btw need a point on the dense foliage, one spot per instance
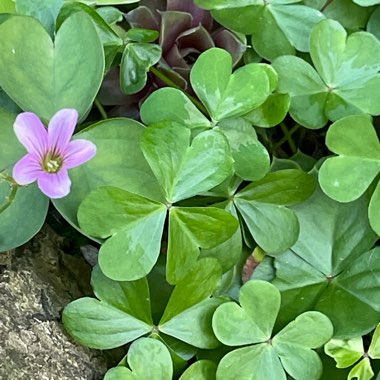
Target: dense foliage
(234, 195)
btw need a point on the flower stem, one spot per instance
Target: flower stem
(10, 198)
(170, 83)
(100, 108)
(287, 137)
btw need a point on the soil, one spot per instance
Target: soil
(36, 282)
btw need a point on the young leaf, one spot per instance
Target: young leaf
(225, 94)
(362, 370)
(135, 63)
(374, 348)
(345, 352)
(63, 74)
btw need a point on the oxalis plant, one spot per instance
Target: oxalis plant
(223, 158)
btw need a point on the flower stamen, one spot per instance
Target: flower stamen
(52, 163)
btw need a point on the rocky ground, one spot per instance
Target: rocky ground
(36, 282)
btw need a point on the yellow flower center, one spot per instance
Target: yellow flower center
(52, 163)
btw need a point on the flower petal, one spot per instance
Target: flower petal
(61, 128)
(31, 133)
(54, 185)
(78, 152)
(27, 170)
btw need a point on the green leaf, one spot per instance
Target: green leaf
(108, 2)
(131, 297)
(336, 58)
(276, 29)
(345, 352)
(293, 344)
(10, 148)
(366, 3)
(341, 281)
(274, 228)
(261, 205)
(45, 11)
(7, 6)
(63, 74)
(189, 311)
(183, 170)
(198, 284)
(347, 13)
(172, 104)
(18, 222)
(108, 210)
(200, 370)
(110, 40)
(373, 25)
(118, 162)
(135, 224)
(135, 63)
(97, 324)
(346, 177)
(306, 90)
(362, 370)
(271, 113)
(118, 373)
(229, 252)
(141, 35)
(251, 363)
(284, 187)
(225, 94)
(309, 330)
(148, 359)
(193, 325)
(253, 320)
(374, 348)
(251, 158)
(191, 228)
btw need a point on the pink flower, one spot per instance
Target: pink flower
(50, 151)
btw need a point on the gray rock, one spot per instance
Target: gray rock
(36, 282)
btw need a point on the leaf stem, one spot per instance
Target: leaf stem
(10, 198)
(170, 83)
(287, 137)
(101, 109)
